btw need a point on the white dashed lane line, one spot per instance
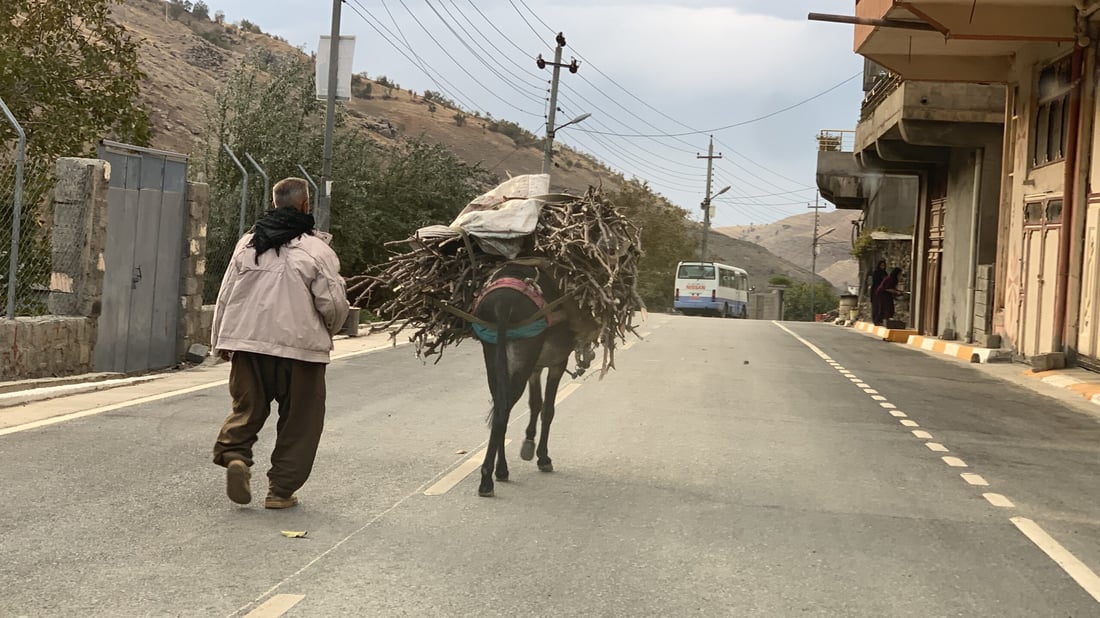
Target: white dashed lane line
(1079, 571)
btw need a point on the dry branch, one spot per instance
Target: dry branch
(591, 248)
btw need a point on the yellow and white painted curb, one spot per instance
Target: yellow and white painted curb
(969, 353)
(896, 335)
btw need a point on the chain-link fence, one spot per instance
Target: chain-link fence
(227, 201)
(24, 285)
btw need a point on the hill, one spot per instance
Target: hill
(186, 58)
(760, 263)
(791, 239)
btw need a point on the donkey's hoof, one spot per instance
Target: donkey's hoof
(546, 467)
(527, 451)
(502, 477)
(486, 493)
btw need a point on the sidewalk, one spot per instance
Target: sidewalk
(1084, 383)
(27, 404)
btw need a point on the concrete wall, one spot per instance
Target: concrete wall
(893, 204)
(63, 344)
(766, 305)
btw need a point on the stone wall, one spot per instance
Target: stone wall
(897, 252)
(46, 346)
(193, 270)
(63, 344)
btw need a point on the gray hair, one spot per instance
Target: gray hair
(291, 192)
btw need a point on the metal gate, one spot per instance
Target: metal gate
(146, 218)
(1042, 233)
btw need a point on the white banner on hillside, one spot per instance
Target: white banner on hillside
(343, 67)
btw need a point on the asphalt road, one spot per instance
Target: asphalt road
(725, 468)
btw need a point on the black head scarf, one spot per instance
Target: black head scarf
(279, 226)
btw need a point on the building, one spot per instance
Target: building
(1006, 201)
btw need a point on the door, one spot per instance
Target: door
(1088, 337)
(930, 294)
(146, 215)
(1042, 234)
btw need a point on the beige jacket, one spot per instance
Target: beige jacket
(289, 305)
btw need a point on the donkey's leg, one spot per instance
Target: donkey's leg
(524, 355)
(534, 395)
(496, 369)
(553, 379)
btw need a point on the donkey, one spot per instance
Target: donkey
(517, 348)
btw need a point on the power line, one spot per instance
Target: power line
(419, 63)
(741, 123)
(473, 53)
(459, 64)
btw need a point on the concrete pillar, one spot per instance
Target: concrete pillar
(193, 269)
(79, 237)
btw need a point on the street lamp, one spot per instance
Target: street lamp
(706, 220)
(550, 133)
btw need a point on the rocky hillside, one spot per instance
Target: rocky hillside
(792, 237)
(187, 58)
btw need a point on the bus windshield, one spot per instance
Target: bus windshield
(696, 271)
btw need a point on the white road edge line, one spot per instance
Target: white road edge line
(275, 606)
(565, 392)
(921, 434)
(454, 477)
(909, 423)
(816, 350)
(1082, 574)
(53, 420)
(974, 479)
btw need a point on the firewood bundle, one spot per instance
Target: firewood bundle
(586, 244)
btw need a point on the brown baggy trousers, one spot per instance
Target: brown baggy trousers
(299, 388)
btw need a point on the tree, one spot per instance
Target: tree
(780, 280)
(665, 241)
(70, 75)
(796, 301)
(219, 18)
(201, 10)
(267, 108)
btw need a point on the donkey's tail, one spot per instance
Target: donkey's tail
(503, 375)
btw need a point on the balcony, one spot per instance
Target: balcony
(839, 176)
(958, 40)
(927, 113)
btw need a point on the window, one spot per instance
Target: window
(696, 271)
(1049, 135)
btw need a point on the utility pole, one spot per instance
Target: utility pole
(710, 157)
(325, 210)
(573, 67)
(813, 258)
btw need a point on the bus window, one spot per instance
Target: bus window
(696, 271)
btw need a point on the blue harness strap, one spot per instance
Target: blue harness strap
(489, 335)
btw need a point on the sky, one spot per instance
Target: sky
(658, 77)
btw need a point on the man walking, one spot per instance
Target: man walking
(281, 300)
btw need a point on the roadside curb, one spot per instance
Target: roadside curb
(1084, 383)
(962, 351)
(23, 392)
